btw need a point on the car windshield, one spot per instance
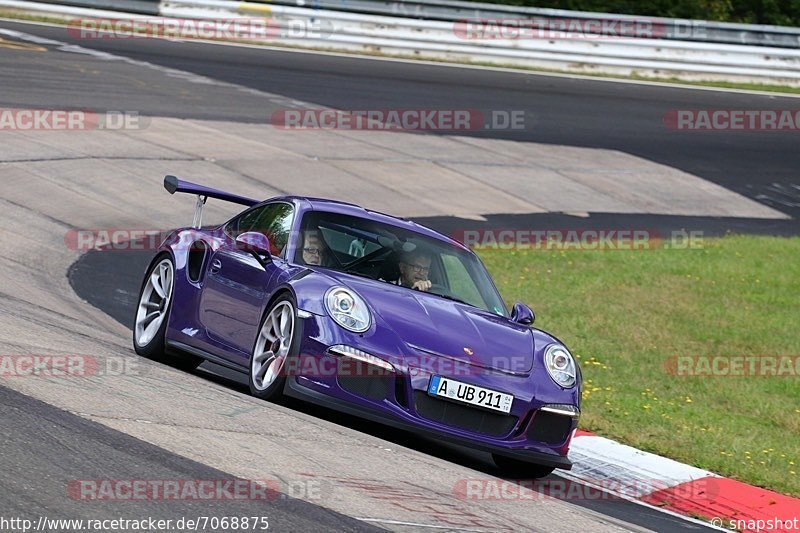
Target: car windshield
(389, 254)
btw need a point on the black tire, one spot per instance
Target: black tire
(155, 348)
(517, 469)
(274, 390)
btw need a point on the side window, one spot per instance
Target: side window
(273, 220)
(347, 247)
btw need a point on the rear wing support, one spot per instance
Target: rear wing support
(198, 211)
(172, 184)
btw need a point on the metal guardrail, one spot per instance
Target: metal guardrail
(458, 10)
(438, 39)
(143, 7)
(455, 10)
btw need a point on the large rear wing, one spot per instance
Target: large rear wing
(173, 185)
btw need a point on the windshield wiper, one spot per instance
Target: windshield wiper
(452, 298)
(359, 274)
(369, 257)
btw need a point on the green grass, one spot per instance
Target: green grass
(625, 314)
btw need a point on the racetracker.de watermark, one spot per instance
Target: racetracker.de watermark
(67, 366)
(568, 490)
(144, 240)
(550, 29)
(357, 366)
(253, 29)
(194, 489)
(121, 239)
(733, 366)
(736, 120)
(12, 119)
(197, 522)
(399, 119)
(579, 239)
(149, 240)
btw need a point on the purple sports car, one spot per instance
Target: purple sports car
(364, 313)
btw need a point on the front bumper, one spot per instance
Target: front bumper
(399, 398)
(532, 455)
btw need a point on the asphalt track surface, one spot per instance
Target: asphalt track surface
(559, 111)
(110, 281)
(45, 449)
(562, 111)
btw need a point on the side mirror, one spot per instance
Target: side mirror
(254, 242)
(522, 314)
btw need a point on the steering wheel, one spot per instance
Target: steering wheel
(441, 289)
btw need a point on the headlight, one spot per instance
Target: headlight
(359, 355)
(560, 365)
(347, 309)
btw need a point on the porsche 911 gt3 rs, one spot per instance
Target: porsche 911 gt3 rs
(364, 313)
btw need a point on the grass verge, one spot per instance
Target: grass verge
(628, 314)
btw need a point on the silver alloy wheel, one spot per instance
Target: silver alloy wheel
(273, 345)
(154, 302)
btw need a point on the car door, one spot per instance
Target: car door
(238, 284)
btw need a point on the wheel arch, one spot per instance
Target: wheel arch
(276, 294)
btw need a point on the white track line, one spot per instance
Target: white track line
(453, 65)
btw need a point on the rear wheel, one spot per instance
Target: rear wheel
(276, 342)
(515, 468)
(152, 315)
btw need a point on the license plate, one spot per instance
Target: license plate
(470, 394)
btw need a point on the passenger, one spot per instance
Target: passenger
(314, 250)
(414, 269)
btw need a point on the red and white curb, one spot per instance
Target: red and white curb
(678, 488)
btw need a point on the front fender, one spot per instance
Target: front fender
(546, 389)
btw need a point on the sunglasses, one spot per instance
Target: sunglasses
(419, 269)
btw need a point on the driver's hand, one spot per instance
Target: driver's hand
(422, 285)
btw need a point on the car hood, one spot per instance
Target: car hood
(441, 327)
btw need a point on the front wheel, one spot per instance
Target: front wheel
(515, 468)
(276, 342)
(152, 315)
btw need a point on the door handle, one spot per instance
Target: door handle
(216, 264)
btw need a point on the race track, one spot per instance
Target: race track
(207, 110)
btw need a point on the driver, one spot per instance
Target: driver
(414, 269)
(314, 249)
